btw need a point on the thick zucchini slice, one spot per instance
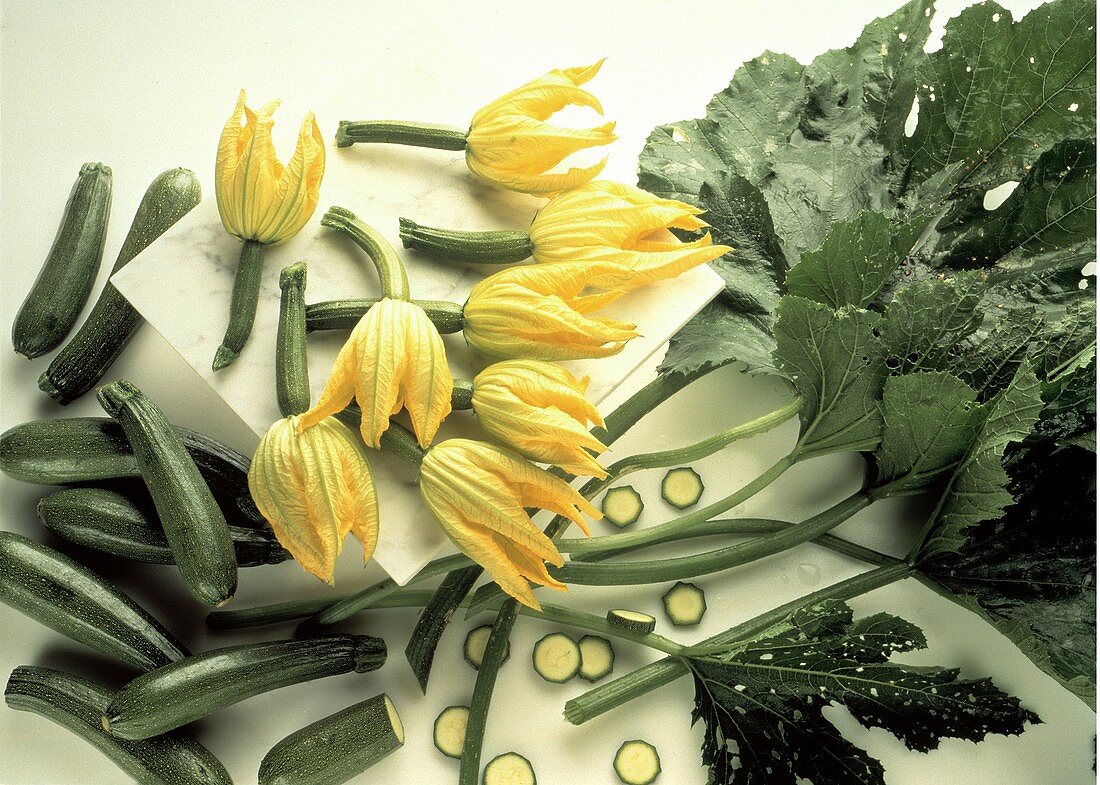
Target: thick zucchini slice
(449, 733)
(511, 768)
(635, 621)
(685, 604)
(335, 749)
(597, 658)
(556, 657)
(637, 762)
(473, 650)
(622, 506)
(682, 488)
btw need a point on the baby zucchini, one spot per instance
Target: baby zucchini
(685, 604)
(63, 595)
(77, 705)
(511, 768)
(66, 278)
(184, 691)
(637, 763)
(682, 488)
(113, 321)
(622, 506)
(556, 657)
(192, 521)
(333, 750)
(597, 658)
(449, 731)
(473, 650)
(634, 621)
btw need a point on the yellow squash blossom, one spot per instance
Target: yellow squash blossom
(313, 488)
(604, 221)
(539, 410)
(511, 144)
(478, 493)
(394, 359)
(541, 312)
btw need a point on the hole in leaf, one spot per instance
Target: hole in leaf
(911, 121)
(995, 197)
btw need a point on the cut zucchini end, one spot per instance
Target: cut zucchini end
(597, 658)
(449, 733)
(685, 604)
(511, 768)
(395, 719)
(556, 657)
(622, 506)
(637, 762)
(682, 487)
(473, 650)
(635, 621)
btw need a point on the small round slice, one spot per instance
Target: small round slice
(474, 648)
(685, 604)
(557, 657)
(622, 506)
(682, 487)
(449, 734)
(597, 658)
(635, 621)
(511, 768)
(637, 762)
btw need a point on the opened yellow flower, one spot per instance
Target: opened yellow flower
(478, 493)
(541, 312)
(393, 360)
(313, 488)
(539, 410)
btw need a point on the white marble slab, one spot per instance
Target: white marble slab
(182, 283)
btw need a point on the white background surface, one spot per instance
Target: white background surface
(148, 86)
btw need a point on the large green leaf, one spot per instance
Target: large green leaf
(929, 319)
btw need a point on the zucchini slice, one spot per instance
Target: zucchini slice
(637, 762)
(635, 621)
(556, 657)
(597, 658)
(682, 488)
(449, 734)
(335, 749)
(511, 768)
(622, 506)
(685, 604)
(474, 647)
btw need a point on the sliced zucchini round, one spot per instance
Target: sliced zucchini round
(511, 768)
(622, 506)
(682, 487)
(557, 657)
(685, 604)
(474, 648)
(449, 734)
(637, 762)
(597, 658)
(635, 621)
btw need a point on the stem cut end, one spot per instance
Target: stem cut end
(223, 357)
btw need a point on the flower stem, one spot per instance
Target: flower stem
(462, 396)
(500, 247)
(345, 314)
(242, 305)
(391, 271)
(495, 648)
(291, 369)
(396, 440)
(439, 137)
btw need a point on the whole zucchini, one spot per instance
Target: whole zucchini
(192, 521)
(66, 278)
(183, 691)
(113, 321)
(126, 525)
(78, 705)
(65, 596)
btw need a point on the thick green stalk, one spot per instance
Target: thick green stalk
(495, 648)
(291, 370)
(391, 271)
(439, 137)
(345, 314)
(462, 396)
(242, 305)
(499, 247)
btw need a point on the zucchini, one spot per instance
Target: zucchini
(622, 506)
(682, 487)
(80, 365)
(449, 731)
(126, 526)
(474, 648)
(291, 369)
(634, 621)
(685, 604)
(597, 658)
(192, 521)
(345, 314)
(65, 596)
(76, 705)
(335, 749)
(511, 768)
(184, 691)
(637, 763)
(63, 284)
(556, 657)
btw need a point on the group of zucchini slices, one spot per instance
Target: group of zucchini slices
(681, 488)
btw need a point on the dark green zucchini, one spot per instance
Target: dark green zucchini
(66, 278)
(126, 525)
(291, 369)
(196, 686)
(345, 314)
(65, 596)
(77, 705)
(80, 365)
